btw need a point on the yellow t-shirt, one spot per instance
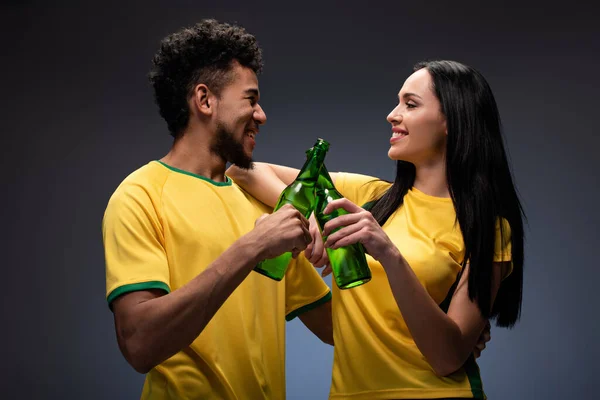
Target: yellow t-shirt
(375, 356)
(162, 227)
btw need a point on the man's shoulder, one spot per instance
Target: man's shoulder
(253, 201)
(147, 174)
(147, 180)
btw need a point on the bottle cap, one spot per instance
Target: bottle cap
(322, 143)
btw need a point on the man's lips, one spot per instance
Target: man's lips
(251, 135)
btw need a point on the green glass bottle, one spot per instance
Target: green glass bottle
(349, 263)
(300, 194)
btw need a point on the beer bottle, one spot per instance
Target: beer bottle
(349, 263)
(300, 194)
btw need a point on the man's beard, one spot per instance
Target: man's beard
(231, 150)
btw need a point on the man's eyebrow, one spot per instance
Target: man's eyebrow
(252, 91)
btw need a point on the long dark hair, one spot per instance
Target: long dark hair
(479, 182)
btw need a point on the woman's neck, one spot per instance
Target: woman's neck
(431, 179)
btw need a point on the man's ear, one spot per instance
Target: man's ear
(203, 99)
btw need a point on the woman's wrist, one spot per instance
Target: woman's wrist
(391, 257)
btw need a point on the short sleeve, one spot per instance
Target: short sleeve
(133, 244)
(304, 288)
(502, 244)
(360, 189)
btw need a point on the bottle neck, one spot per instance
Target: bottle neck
(313, 165)
(325, 181)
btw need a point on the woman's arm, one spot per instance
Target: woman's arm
(446, 340)
(265, 181)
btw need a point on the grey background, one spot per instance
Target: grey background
(77, 116)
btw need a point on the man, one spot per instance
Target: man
(181, 240)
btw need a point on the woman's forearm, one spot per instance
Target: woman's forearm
(265, 181)
(445, 343)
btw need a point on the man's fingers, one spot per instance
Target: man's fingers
(296, 214)
(307, 237)
(295, 253)
(326, 271)
(304, 220)
(286, 207)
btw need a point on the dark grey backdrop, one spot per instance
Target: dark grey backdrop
(78, 116)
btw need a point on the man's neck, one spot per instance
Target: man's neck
(191, 153)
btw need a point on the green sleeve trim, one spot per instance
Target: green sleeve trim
(135, 287)
(308, 307)
(472, 371)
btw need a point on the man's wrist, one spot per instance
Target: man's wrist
(253, 247)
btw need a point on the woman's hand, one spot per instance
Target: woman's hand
(315, 252)
(359, 226)
(485, 337)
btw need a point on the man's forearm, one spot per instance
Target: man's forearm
(319, 321)
(156, 329)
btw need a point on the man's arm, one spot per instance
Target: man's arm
(318, 320)
(152, 326)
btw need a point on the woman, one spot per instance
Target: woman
(445, 242)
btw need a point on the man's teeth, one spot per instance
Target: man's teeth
(251, 134)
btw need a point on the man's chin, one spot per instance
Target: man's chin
(246, 164)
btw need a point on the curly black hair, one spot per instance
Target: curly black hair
(203, 53)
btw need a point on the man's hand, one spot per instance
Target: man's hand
(485, 337)
(284, 230)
